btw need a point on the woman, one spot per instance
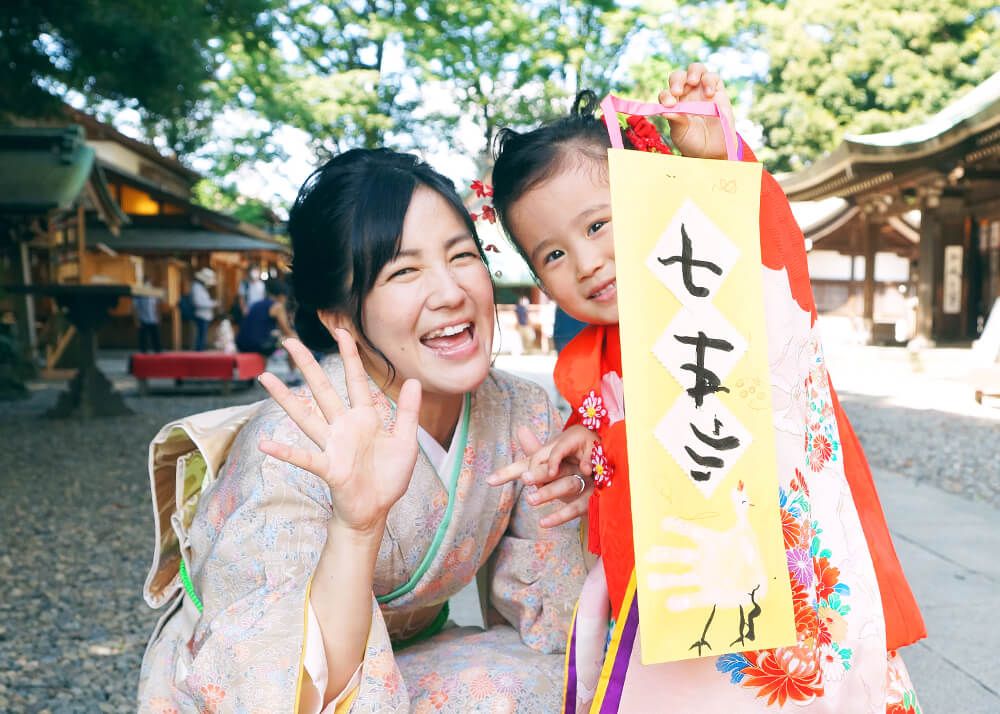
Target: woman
(321, 562)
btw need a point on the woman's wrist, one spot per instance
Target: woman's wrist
(364, 538)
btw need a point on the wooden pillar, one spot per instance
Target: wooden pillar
(928, 260)
(870, 236)
(83, 276)
(28, 335)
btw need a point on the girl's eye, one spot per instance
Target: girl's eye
(466, 254)
(553, 255)
(594, 227)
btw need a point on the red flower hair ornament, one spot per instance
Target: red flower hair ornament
(486, 211)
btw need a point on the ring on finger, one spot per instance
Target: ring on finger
(583, 483)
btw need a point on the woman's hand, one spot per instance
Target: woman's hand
(696, 136)
(559, 470)
(366, 466)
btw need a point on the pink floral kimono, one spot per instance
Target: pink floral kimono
(852, 605)
(239, 535)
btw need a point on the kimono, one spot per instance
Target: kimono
(852, 605)
(233, 569)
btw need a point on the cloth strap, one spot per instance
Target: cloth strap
(611, 106)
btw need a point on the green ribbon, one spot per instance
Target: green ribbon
(189, 587)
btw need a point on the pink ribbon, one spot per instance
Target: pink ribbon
(612, 106)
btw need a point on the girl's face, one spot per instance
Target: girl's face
(564, 226)
(430, 310)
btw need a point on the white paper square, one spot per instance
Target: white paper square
(674, 433)
(672, 353)
(708, 243)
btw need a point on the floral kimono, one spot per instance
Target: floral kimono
(234, 565)
(852, 604)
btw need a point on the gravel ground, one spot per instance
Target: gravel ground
(76, 536)
(957, 453)
(75, 543)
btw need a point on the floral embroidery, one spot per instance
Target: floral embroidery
(798, 673)
(821, 443)
(800, 565)
(826, 578)
(214, 695)
(900, 699)
(602, 469)
(785, 673)
(835, 661)
(593, 411)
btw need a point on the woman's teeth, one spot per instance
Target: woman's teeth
(447, 331)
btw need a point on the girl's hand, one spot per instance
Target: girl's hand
(697, 136)
(367, 467)
(555, 471)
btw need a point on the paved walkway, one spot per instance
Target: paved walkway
(949, 548)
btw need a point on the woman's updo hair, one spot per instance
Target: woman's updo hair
(346, 224)
(524, 160)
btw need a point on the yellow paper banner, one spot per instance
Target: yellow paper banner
(711, 569)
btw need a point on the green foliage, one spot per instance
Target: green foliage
(155, 57)
(820, 70)
(408, 74)
(509, 63)
(226, 199)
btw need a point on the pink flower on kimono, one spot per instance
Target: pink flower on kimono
(603, 471)
(613, 392)
(592, 410)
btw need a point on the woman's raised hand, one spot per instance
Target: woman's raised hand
(366, 466)
(698, 137)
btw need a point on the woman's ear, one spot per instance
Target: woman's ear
(334, 320)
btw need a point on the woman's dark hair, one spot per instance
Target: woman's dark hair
(524, 160)
(346, 224)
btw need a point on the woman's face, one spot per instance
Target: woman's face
(431, 309)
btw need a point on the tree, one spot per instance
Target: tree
(157, 58)
(509, 63)
(820, 70)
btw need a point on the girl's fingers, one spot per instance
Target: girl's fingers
(695, 72)
(540, 459)
(323, 392)
(313, 461)
(562, 450)
(354, 370)
(311, 424)
(535, 475)
(710, 83)
(565, 514)
(676, 82)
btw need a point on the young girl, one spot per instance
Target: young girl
(852, 604)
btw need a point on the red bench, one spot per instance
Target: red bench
(228, 368)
